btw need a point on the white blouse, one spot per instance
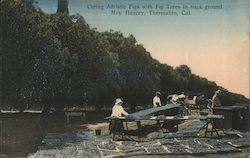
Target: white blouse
(156, 100)
(118, 111)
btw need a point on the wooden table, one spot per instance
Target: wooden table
(210, 120)
(75, 113)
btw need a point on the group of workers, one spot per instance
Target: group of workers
(118, 110)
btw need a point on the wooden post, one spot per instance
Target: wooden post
(83, 116)
(67, 118)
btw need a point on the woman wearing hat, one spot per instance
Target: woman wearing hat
(215, 101)
(157, 100)
(116, 125)
(117, 110)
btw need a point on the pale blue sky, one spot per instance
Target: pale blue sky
(214, 43)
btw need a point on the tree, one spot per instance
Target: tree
(34, 59)
(62, 6)
(183, 74)
(51, 59)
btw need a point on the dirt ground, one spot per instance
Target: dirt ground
(22, 133)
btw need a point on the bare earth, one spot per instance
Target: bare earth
(22, 133)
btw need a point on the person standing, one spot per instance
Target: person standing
(215, 99)
(116, 125)
(117, 110)
(157, 100)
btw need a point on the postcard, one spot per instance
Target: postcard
(124, 78)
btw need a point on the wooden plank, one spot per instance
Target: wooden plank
(145, 113)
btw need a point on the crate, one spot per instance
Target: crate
(232, 116)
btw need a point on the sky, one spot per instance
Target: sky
(214, 43)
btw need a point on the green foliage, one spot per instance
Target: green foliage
(53, 59)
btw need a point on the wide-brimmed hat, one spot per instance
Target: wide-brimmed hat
(158, 93)
(118, 101)
(217, 92)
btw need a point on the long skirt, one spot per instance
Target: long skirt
(116, 126)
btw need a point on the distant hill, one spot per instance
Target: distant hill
(57, 59)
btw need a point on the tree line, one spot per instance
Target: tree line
(57, 59)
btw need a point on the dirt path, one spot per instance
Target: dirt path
(96, 125)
